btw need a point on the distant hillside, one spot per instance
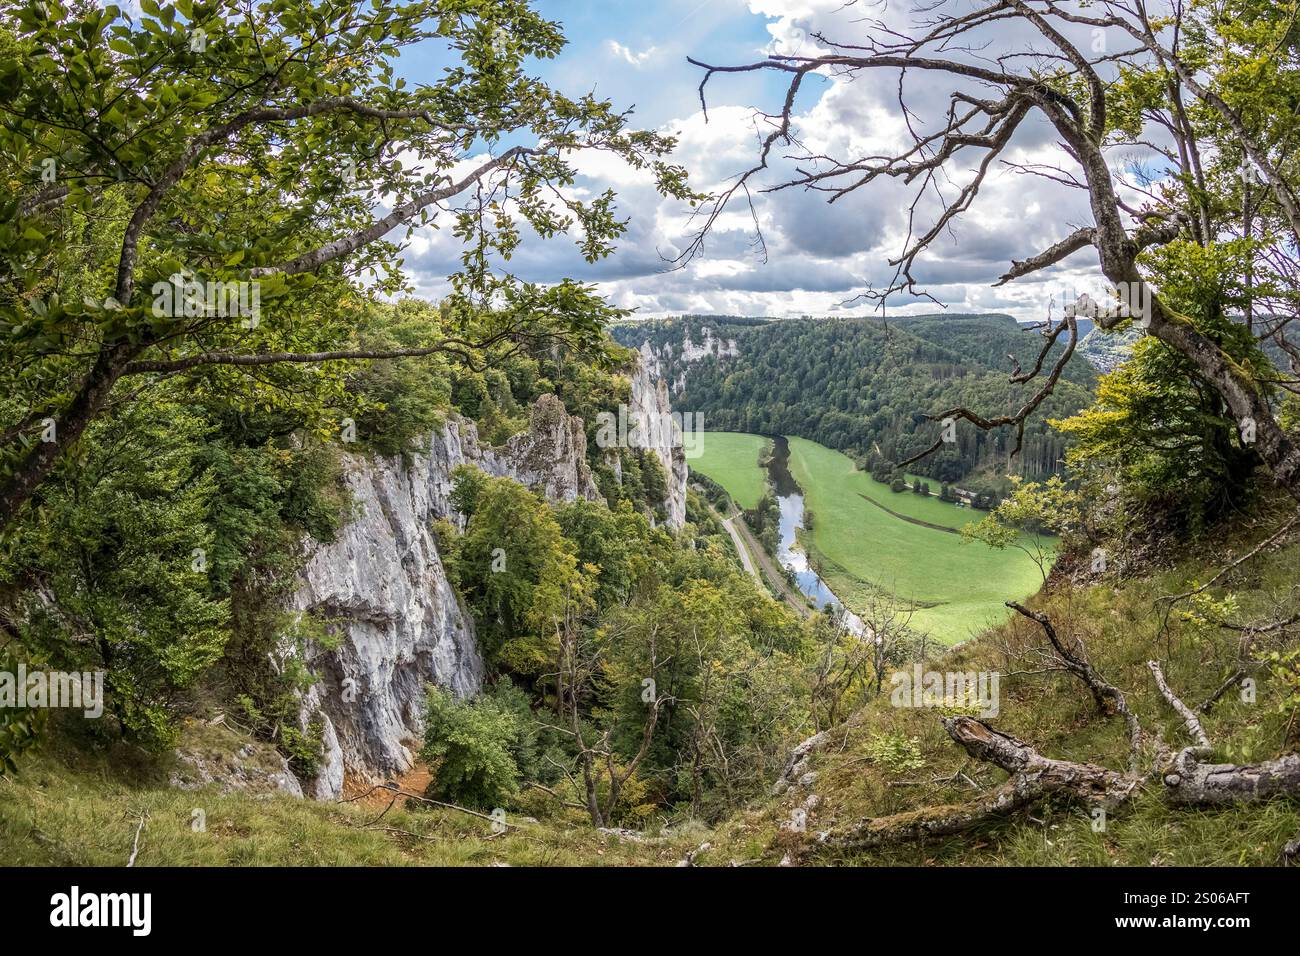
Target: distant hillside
(1106, 351)
(865, 386)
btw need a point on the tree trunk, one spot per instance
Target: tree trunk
(35, 466)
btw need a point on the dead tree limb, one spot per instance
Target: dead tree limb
(1191, 723)
(1185, 780)
(1191, 783)
(1102, 691)
(1033, 777)
(1236, 678)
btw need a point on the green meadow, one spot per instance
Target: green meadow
(731, 459)
(958, 588)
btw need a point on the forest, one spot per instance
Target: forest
(310, 311)
(866, 386)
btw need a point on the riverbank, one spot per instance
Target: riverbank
(958, 588)
(861, 538)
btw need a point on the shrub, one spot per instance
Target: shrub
(895, 753)
(470, 747)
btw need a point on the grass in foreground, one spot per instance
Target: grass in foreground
(1119, 625)
(68, 809)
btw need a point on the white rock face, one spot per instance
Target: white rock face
(550, 457)
(680, 356)
(658, 431)
(401, 626)
(710, 346)
(383, 585)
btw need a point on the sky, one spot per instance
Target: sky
(820, 257)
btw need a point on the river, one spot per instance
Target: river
(789, 497)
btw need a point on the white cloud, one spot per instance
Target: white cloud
(626, 53)
(820, 255)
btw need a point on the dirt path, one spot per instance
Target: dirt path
(909, 520)
(751, 553)
(414, 780)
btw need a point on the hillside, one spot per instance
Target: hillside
(881, 762)
(352, 517)
(863, 386)
(886, 761)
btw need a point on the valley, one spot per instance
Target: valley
(865, 538)
(880, 451)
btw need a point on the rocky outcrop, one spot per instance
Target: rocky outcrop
(382, 588)
(672, 360)
(213, 756)
(796, 772)
(659, 431)
(551, 457)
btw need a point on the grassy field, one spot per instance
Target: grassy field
(731, 459)
(960, 587)
(68, 808)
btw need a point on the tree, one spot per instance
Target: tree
(235, 153)
(516, 568)
(1031, 519)
(1157, 425)
(1095, 102)
(856, 656)
(468, 746)
(585, 656)
(150, 553)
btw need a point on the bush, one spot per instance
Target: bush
(471, 749)
(895, 753)
(20, 728)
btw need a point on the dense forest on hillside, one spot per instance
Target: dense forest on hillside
(864, 386)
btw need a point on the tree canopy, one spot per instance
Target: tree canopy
(199, 192)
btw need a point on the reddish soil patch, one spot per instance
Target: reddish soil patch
(414, 781)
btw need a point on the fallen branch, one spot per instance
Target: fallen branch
(1191, 722)
(1033, 777)
(135, 844)
(432, 803)
(1194, 784)
(1101, 690)
(1226, 686)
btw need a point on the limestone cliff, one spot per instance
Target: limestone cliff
(671, 361)
(383, 587)
(659, 431)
